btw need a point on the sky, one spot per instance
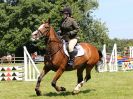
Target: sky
(118, 16)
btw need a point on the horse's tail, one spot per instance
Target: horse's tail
(100, 60)
(100, 55)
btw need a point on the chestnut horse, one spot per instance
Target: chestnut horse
(56, 60)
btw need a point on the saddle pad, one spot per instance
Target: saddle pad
(78, 47)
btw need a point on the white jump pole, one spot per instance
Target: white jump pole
(131, 51)
(103, 67)
(113, 60)
(30, 68)
(104, 58)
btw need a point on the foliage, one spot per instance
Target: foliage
(20, 18)
(95, 32)
(121, 44)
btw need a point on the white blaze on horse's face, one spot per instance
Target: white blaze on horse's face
(36, 34)
(42, 31)
(41, 27)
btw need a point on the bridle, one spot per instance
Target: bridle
(49, 40)
(42, 33)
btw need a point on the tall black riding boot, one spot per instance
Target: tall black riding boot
(71, 60)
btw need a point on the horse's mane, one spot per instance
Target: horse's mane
(55, 34)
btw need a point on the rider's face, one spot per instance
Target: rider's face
(65, 15)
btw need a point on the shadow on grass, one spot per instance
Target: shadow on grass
(66, 93)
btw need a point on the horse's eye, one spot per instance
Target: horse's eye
(46, 27)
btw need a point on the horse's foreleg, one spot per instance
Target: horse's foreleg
(43, 73)
(57, 76)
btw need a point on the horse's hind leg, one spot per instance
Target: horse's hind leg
(80, 80)
(88, 72)
(43, 73)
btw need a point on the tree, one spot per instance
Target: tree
(121, 44)
(18, 21)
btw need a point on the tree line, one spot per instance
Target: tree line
(19, 18)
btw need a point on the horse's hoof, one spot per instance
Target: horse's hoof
(63, 89)
(38, 92)
(75, 92)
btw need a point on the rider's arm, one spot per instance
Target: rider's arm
(75, 28)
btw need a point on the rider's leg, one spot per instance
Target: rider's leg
(71, 45)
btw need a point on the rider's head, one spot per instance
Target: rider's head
(66, 12)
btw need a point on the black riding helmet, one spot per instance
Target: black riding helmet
(66, 10)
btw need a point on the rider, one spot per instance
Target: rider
(68, 30)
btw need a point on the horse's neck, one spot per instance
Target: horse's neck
(54, 44)
(53, 36)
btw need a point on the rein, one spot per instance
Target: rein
(49, 41)
(49, 55)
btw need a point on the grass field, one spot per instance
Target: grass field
(115, 85)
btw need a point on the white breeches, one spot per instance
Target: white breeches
(72, 43)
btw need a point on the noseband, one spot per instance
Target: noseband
(42, 33)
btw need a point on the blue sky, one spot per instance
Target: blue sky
(118, 16)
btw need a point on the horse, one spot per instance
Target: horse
(6, 59)
(57, 60)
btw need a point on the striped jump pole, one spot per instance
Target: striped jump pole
(11, 73)
(27, 72)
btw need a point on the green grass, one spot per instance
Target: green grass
(115, 85)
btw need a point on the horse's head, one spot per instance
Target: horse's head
(43, 30)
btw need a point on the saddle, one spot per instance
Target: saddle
(79, 51)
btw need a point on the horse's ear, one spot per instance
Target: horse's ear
(49, 21)
(43, 21)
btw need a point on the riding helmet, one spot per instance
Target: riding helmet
(66, 10)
